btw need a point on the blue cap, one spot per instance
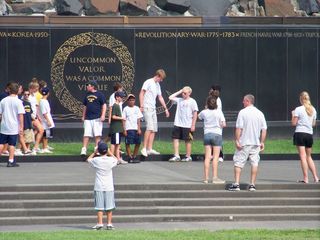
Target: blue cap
(102, 147)
(119, 94)
(45, 91)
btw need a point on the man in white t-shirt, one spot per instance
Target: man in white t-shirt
(184, 122)
(11, 112)
(250, 134)
(149, 92)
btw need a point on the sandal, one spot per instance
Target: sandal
(301, 181)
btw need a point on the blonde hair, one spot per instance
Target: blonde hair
(161, 73)
(187, 88)
(305, 101)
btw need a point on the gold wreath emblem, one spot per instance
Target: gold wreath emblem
(81, 40)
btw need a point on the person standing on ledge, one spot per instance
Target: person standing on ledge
(149, 92)
(93, 115)
(304, 119)
(251, 132)
(184, 122)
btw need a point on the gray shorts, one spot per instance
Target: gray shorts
(104, 200)
(240, 157)
(150, 117)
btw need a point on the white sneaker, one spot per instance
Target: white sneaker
(174, 159)
(186, 159)
(220, 159)
(153, 152)
(50, 148)
(121, 161)
(216, 180)
(97, 227)
(46, 150)
(83, 151)
(17, 152)
(5, 153)
(37, 150)
(144, 152)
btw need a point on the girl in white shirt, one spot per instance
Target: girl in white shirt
(214, 121)
(304, 119)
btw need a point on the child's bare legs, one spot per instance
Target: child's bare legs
(176, 147)
(109, 217)
(136, 150)
(207, 156)
(128, 150)
(188, 148)
(117, 151)
(216, 152)
(45, 143)
(23, 142)
(99, 217)
(39, 128)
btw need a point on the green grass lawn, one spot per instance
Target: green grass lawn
(281, 146)
(167, 235)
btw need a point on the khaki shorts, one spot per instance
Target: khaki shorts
(240, 157)
(28, 136)
(150, 117)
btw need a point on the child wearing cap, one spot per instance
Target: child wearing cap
(103, 187)
(116, 127)
(46, 119)
(132, 121)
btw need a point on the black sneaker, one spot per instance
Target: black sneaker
(234, 187)
(12, 164)
(252, 188)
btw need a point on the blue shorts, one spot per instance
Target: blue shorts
(212, 139)
(115, 138)
(133, 137)
(10, 139)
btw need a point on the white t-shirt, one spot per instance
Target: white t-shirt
(305, 121)
(10, 107)
(184, 112)
(212, 120)
(131, 115)
(45, 109)
(219, 104)
(153, 90)
(104, 178)
(34, 103)
(251, 120)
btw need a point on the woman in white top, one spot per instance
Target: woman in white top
(214, 121)
(304, 119)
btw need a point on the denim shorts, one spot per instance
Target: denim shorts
(212, 139)
(133, 137)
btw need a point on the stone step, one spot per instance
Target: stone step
(158, 218)
(131, 187)
(181, 210)
(150, 202)
(161, 194)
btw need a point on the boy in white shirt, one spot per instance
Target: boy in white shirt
(103, 187)
(46, 119)
(184, 122)
(11, 112)
(132, 122)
